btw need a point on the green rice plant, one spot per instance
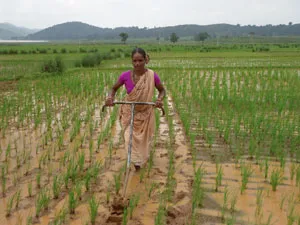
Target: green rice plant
(91, 143)
(8, 152)
(18, 197)
(276, 178)
(153, 186)
(57, 186)
(246, 172)
(233, 202)
(38, 179)
(72, 202)
(291, 218)
(259, 203)
(117, 180)
(133, 202)
(82, 139)
(99, 141)
(9, 206)
(160, 218)
(29, 189)
(29, 220)
(108, 197)
(110, 150)
(266, 168)
(225, 202)
(293, 170)
(42, 202)
(219, 178)
(93, 209)
(150, 163)
(60, 217)
(283, 198)
(197, 192)
(87, 181)
(298, 177)
(78, 190)
(269, 219)
(125, 217)
(3, 179)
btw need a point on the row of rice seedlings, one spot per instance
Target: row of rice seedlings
(197, 192)
(42, 201)
(246, 172)
(93, 209)
(258, 136)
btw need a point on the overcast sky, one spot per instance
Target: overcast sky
(148, 13)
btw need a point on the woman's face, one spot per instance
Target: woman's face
(138, 61)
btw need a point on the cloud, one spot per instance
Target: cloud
(114, 13)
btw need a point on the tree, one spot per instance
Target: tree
(173, 37)
(123, 36)
(202, 36)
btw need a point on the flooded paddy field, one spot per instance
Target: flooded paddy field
(226, 152)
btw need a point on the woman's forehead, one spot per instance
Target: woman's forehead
(137, 55)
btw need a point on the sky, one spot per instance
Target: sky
(148, 13)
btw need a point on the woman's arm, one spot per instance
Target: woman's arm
(111, 96)
(161, 95)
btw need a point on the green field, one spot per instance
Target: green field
(227, 151)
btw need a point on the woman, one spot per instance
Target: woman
(140, 84)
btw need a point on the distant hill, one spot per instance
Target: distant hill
(9, 31)
(79, 30)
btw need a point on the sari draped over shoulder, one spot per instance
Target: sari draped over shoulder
(144, 119)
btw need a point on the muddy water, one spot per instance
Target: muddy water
(246, 203)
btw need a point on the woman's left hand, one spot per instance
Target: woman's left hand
(158, 103)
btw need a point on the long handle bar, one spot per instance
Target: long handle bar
(135, 103)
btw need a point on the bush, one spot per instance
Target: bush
(89, 60)
(53, 66)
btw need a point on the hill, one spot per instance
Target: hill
(9, 31)
(79, 30)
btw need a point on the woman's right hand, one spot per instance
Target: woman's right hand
(109, 101)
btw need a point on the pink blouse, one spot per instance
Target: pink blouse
(125, 78)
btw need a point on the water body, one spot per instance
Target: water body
(23, 41)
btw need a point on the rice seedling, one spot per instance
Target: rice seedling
(246, 172)
(29, 220)
(233, 202)
(125, 217)
(219, 178)
(117, 180)
(17, 197)
(60, 217)
(78, 190)
(266, 168)
(93, 209)
(276, 178)
(197, 192)
(293, 170)
(9, 206)
(3, 183)
(91, 143)
(153, 186)
(57, 186)
(38, 179)
(72, 202)
(259, 204)
(87, 181)
(298, 177)
(225, 202)
(160, 218)
(29, 189)
(42, 202)
(133, 202)
(283, 198)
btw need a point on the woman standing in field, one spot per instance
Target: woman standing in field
(139, 83)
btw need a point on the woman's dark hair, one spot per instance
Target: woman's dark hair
(139, 50)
